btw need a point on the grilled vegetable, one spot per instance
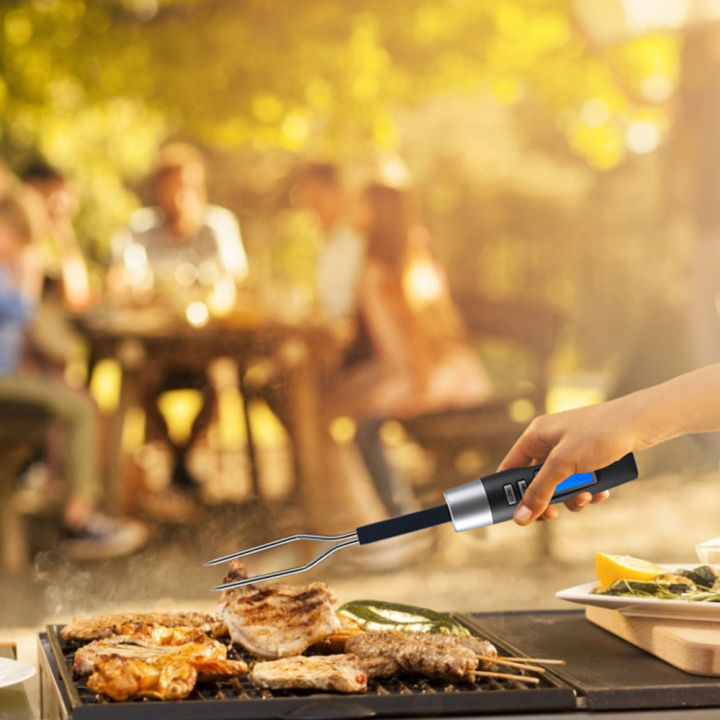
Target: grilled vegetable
(374, 615)
(701, 584)
(703, 576)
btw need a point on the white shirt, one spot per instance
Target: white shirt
(217, 242)
(338, 267)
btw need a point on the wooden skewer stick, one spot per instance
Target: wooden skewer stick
(512, 663)
(506, 676)
(545, 661)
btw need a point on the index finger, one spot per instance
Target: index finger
(540, 491)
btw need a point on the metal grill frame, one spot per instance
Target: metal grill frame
(63, 697)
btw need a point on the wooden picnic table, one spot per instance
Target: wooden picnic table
(145, 342)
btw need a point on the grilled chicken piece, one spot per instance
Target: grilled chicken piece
(150, 634)
(277, 620)
(202, 650)
(338, 673)
(438, 656)
(167, 672)
(121, 678)
(102, 626)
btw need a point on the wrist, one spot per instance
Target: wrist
(651, 418)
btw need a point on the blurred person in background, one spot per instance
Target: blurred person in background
(409, 354)
(53, 345)
(88, 533)
(6, 179)
(184, 241)
(186, 246)
(318, 187)
(64, 264)
(340, 259)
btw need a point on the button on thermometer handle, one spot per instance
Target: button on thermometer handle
(493, 499)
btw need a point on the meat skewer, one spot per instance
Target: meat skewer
(544, 661)
(439, 656)
(507, 676)
(489, 662)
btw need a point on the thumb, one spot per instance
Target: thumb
(540, 491)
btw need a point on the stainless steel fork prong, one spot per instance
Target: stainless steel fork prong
(348, 540)
(278, 543)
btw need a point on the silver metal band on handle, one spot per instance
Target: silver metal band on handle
(469, 506)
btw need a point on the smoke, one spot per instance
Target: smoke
(168, 574)
(65, 586)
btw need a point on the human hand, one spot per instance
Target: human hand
(570, 442)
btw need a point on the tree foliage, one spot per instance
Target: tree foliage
(508, 114)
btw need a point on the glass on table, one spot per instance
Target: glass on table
(708, 551)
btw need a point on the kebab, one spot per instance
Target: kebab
(379, 655)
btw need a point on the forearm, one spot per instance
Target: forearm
(593, 437)
(689, 403)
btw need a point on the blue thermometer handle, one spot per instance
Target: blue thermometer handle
(492, 499)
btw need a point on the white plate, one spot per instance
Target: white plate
(644, 607)
(14, 671)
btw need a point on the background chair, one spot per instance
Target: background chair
(23, 429)
(517, 340)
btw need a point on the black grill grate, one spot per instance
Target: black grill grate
(239, 698)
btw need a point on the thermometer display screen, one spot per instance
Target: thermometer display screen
(576, 482)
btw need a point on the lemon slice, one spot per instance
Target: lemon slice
(610, 568)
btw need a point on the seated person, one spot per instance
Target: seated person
(185, 245)
(88, 533)
(63, 261)
(184, 240)
(340, 259)
(409, 355)
(53, 342)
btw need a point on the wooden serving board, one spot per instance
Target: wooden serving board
(688, 645)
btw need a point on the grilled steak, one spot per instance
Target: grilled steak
(339, 673)
(277, 620)
(102, 626)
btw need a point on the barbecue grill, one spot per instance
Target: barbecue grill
(63, 696)
(603, 673)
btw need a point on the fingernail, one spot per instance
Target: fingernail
(523, 515)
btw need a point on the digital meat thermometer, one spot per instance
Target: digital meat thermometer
(486, 501)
